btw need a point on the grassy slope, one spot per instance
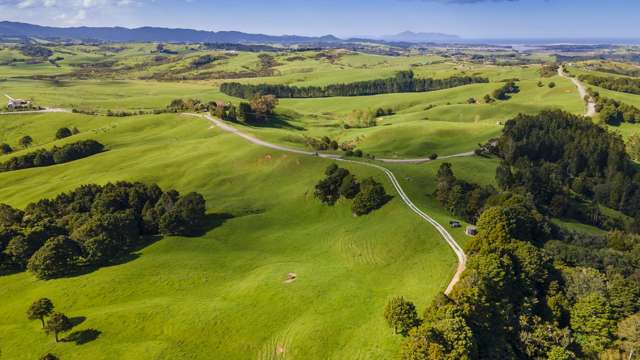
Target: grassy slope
(105, 94)
(222, 295)
(451, 127)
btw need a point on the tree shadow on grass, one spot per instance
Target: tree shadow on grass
(77, 320)
(276, 121)
(210, 222)
(82, 337)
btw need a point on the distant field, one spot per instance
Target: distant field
(106, 94)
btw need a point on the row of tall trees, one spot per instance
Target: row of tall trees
(92, 226)
(57, 155)
(621, 84)
(404, 81)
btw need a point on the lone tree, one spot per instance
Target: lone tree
(58, 323)
(63, 133)
(401, 315)
(26, 141)
(5, 149)
(39, 309)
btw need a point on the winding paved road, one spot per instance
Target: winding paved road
(591, 105)
(457, 249)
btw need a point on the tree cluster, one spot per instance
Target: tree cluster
(549, 69)
(92, 226)
(363, 118)
(57, 155)
(614, 112)
(35, 51)
(518, 300)
(459, 197)
(621, 84)
(555, 156)
(504, 92)
(65, 132)
(181, 105)
(202, 61)
(404, 81)
(368, 195)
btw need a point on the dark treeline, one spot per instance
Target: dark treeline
(614, 112)
(404, 81)
(57, 155)
(627, 85)
(35, 51)
(558, 157)
(92, 226)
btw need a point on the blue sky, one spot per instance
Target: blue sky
(467, 18)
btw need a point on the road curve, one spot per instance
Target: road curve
(52, 110)
(457, 249)
(423, 160)
(591, 104)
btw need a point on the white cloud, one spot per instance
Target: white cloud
(68, 12)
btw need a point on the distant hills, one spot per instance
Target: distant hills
(148, 34)
(10, 29)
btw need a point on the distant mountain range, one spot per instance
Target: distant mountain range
(10, 29)
(149, 34)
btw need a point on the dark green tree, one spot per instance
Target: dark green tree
(58, 323)
(593, 323)
(5, 149)
(63, 133)
(372, 196)
(26, 141)
(56, 258)
(401, 315)
(349, 187)
(40, 309)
